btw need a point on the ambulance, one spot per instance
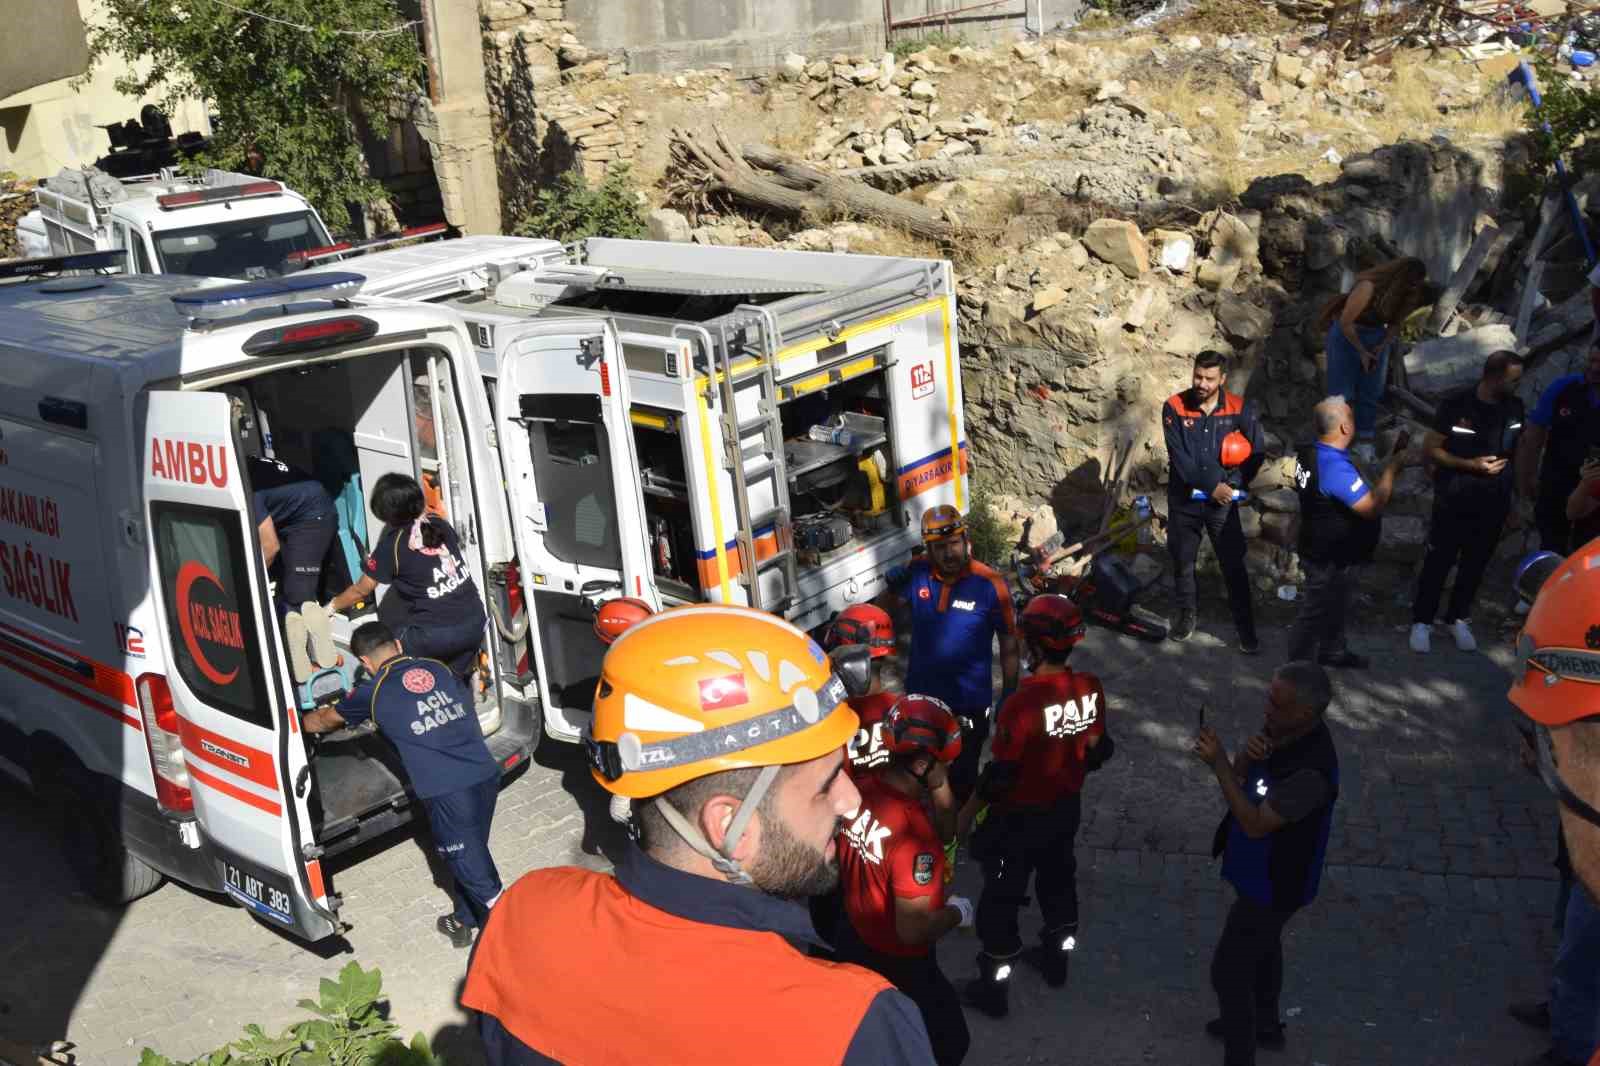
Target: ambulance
(613, 418)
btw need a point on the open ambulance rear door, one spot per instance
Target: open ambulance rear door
(577, 506)
(226, 710)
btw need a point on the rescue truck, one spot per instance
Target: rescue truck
(669, 422)
(219, 224)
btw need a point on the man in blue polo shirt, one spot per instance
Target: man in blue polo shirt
(1340, 519)
(1563, 431)
(958, 606)
(425, 712)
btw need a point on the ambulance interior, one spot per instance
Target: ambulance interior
(347, 423)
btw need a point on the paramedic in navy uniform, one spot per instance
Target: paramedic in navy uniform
(426, 713)
(419, 557)
(295, 519)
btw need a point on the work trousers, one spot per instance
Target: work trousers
(1247, 976)
(460, 822)
(1362, 390)
(919, 978)
(456, 645)
(974, 732)
(1550, 516)
(1575, 981)
(1014, 846)
(1462, 535)
(1320, 623)
(1187, 520)
(302, 548)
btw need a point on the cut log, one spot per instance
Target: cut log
(1530, 296)
(1445, 306)
(711, 167)
(896, 177)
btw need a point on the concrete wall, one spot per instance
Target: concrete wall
(54, 125)
(751, 34)
(998, 21)
(457, 124)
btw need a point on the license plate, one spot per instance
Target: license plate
(265, 893)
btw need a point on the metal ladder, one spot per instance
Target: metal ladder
(761, 460)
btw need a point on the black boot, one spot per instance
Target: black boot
(1055, 952)
(1183, 629)
(989, 991)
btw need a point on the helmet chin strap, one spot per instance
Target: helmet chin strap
(723, 861)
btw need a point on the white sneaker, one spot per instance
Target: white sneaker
(1421, 638)
(1463, 635)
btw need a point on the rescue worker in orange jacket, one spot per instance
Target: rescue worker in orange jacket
(892, 869)
(1049, 735)
(1554, 685)
(728, 726)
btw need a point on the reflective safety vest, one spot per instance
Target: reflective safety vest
(1283, 869)
(583, 972)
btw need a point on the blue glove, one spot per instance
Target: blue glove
(896, 577)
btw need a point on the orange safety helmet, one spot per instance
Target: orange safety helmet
(615, 616)
(862, 623)
(1560, 643)
(942, 522)
(1235, 449)
(1052, 621)
(922, 725)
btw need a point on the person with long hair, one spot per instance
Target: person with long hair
(418, 555)
(1361, 326)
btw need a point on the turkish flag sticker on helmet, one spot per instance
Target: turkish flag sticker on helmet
(721, 693)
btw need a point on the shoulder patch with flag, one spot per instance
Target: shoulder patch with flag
(922, 868)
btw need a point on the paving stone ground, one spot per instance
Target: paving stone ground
(1435, 910)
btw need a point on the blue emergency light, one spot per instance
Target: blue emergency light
(55, 264)
(268, 292)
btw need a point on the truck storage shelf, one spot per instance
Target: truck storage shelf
(805, 455)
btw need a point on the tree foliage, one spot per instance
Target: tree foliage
(1571, 109)
(574, 210)
(289, 79)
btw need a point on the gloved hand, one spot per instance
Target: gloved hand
(895, 577)
(964, 907)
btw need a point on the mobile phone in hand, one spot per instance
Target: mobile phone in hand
(1202, 716)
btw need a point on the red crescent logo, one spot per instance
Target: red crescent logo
(188, 574)
(417, 680)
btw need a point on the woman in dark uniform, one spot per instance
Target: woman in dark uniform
(440, 613)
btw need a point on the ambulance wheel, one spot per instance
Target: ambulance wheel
(91, 842)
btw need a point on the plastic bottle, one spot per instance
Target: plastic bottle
(1141, 512)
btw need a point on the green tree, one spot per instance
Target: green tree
(286, 80)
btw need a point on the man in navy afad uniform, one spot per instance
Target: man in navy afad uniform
(1280, 793)
(426, 713)
(296, 523)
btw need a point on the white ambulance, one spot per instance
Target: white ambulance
(668, 422)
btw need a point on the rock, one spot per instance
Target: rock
(821, 70)
(1048, 297)
(922, 89)
(1109, 90)
(953, 148)
(1232, 241)
(1146, 567)
(1442, 363)
(1270, 94)
(885, 70)
(896, 149)
(1174, 250)
(1242, 320)
(792, 67)
(1280, 501)
(1189, 335)
(1250, 521)
(1139, 309)
(1118, 242)
(1216, 276)
(1278, 528)
(665, 224)
(1324, 248)
(1287, 67)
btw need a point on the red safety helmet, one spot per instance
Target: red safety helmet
(1559, 646)
(942, 522)
(922, 725)
(1052, 621)
(615, 616)
(1235, 449)
(863, 623)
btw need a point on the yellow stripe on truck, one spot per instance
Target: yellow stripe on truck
(950, 399)
(816, 344)
(709, 454)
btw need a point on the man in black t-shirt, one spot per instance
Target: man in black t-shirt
(1473, 439)
(296, 522)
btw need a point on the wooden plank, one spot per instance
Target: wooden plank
(1530, 296)
(1549, 211)
(1415, 402)
(1445, 306)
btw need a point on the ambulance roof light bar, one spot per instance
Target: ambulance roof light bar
(55, 264)
(222, 192)
(233, 301)
(311, 255)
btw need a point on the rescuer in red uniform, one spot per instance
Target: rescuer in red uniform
(891, 868)
(868, 626)
(1048, 736)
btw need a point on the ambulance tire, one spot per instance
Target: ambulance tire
(91, 842)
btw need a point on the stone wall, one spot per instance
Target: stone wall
(662, 35)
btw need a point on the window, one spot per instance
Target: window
(210, 617)
(247, 248)
(141, 257)
(571, 461)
